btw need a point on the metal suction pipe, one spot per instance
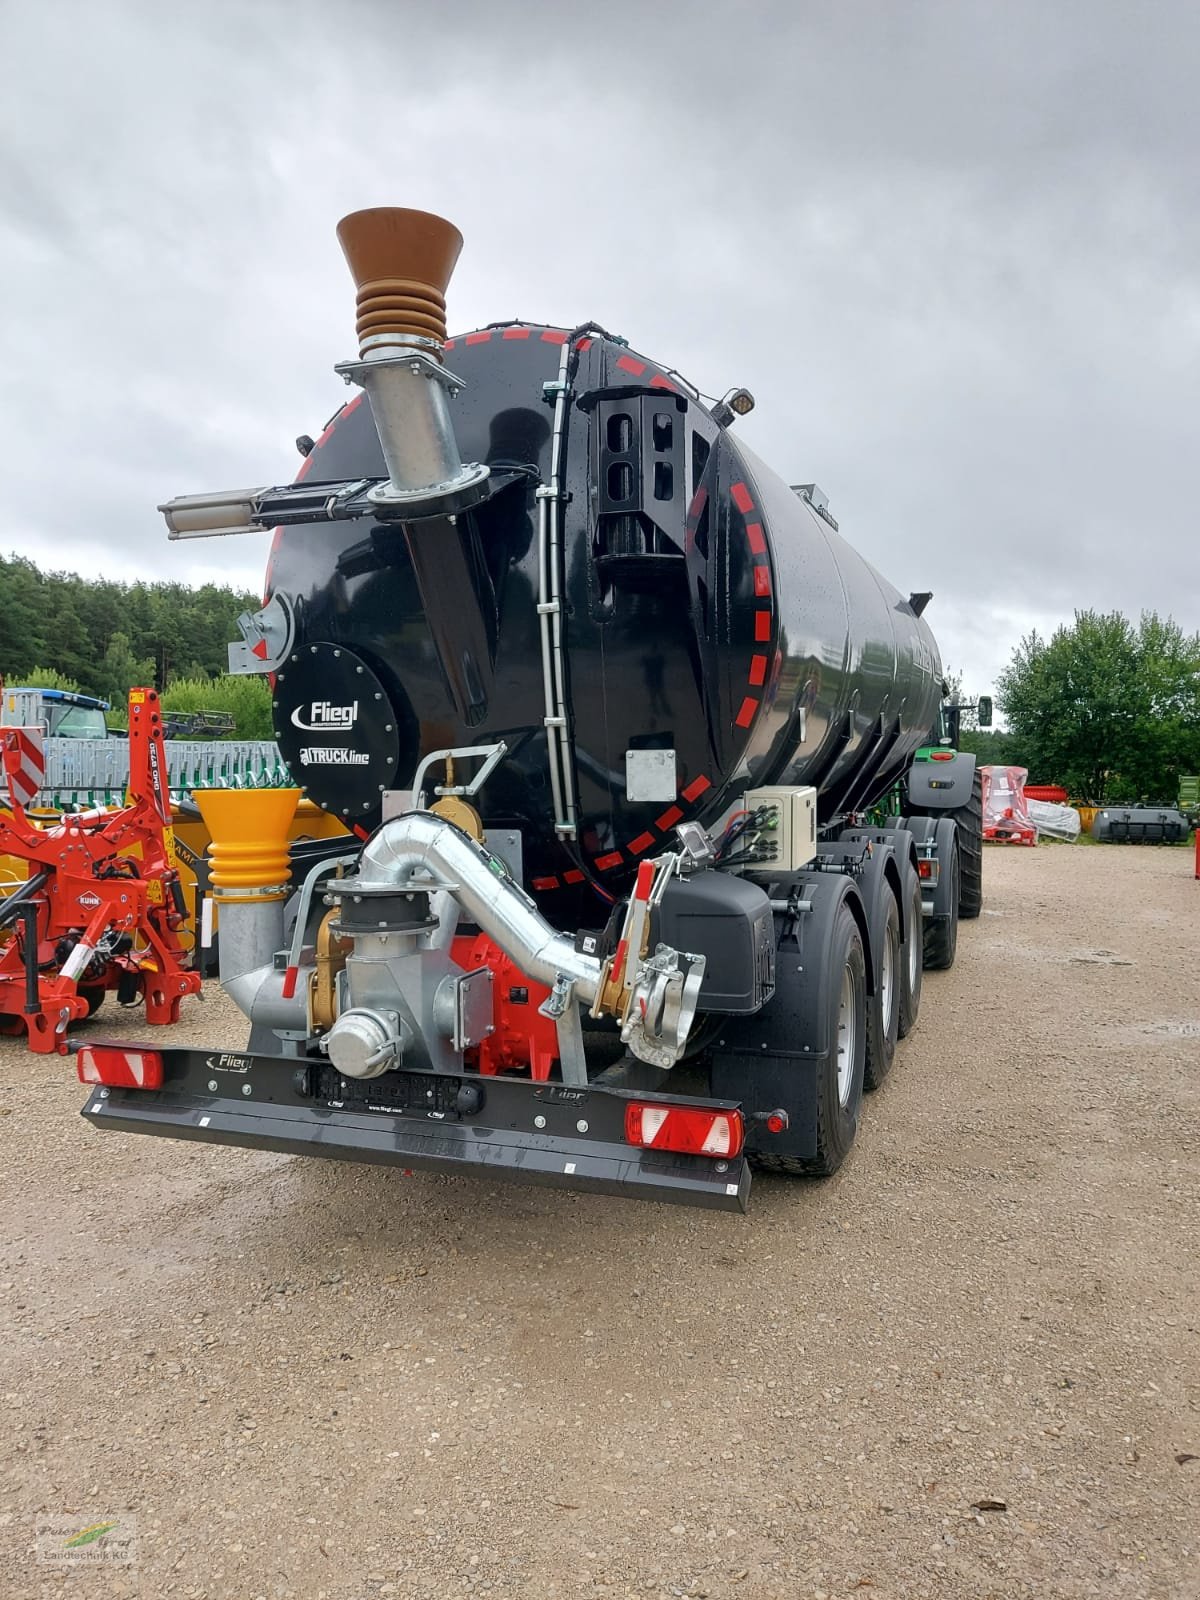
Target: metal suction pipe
(401, 262)
(426, 848)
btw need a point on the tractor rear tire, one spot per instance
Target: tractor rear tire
(941, 936)
(969, 820)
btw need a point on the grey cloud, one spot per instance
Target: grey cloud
(951, 247)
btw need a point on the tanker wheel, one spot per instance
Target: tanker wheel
(838, 1088)
(941, 935)
(969, 821)
(912, 961)
(883, 1007)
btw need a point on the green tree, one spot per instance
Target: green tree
(46, 678)
(120, 670)
(1108, 709)
(68, 624)
(246, 699)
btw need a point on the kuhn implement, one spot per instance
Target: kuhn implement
(102, 907)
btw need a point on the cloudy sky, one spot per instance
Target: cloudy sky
(952, 248)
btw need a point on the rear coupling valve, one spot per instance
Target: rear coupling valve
(364, 1043)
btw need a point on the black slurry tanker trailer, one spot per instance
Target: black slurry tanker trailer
(616, 722)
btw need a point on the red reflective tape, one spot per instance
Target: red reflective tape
(659, 382)
(449, 345)
(545, 883)
(574, 876)
(642, 843)
(742, 498)
(746, 715)
(758, 669)
(754, 535)
(669, 819)
(583, 344)
(613, 859)
(481, 337)
(696, 788)
(305, 468)
(762, 580)
(516, 333)
(361, 831)
(288, 986)
(553, 336)
(631, 364)
(351, 405)
(762, 627)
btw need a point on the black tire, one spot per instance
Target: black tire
(836, 1113)
(969, 820)
(912, 961)
(94, 994)
(941, 936)
(883, 1007)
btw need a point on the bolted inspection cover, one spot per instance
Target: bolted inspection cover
(336, 729)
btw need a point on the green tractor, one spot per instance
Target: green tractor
(940, 802)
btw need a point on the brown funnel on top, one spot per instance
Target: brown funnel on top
(401, 261)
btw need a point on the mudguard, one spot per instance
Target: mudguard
(771, 1059)
(893, 862)
(942, 831)
(941, 785)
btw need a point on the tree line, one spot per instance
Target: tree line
(104, 637)
(1106, 707)
(88, 628)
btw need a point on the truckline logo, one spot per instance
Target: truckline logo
(324, 717)
(335, 755)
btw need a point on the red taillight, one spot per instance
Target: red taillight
(925, 869)
(941, 755)
(118, 1067)
(690, 1130)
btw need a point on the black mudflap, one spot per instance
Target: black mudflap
(771, 1061)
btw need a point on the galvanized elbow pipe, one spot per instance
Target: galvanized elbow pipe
(426, 850)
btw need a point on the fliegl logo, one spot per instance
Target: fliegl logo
(325, 717)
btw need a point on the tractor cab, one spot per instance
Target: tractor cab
(59, 713)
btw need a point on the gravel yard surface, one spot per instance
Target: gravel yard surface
(305, 1379)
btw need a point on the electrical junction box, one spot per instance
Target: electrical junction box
(794, 832)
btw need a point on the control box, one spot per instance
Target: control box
(790, 825)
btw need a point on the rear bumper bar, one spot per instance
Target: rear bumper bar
(529, 1133)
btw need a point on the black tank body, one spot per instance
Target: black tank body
(709, 611)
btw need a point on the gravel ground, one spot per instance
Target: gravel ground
(305, 1379)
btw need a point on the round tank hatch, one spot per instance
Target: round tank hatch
(336, 729)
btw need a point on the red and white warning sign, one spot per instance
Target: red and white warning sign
(24, 764)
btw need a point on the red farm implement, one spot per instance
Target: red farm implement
(1005, 808)
(101, 908)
